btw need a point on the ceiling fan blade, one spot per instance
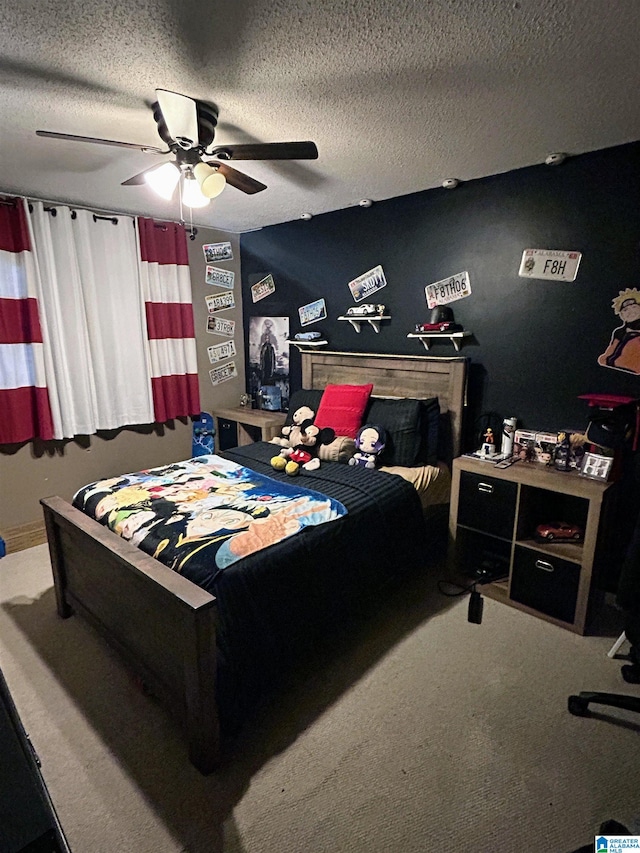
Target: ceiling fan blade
(238, 179)
(69, 136)
(180, 115)
(267, 151)
(139, 179)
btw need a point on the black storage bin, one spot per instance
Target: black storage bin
(227, 434)
(545, 583)
(487, 504)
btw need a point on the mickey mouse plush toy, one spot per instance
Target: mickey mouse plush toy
(370, 442)
(291, 434)
(302, 444)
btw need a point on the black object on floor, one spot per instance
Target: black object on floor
(476, 605)
(609, 827)
(28, 821)
(579, 704)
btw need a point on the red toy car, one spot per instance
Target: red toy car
(438, 327)
(559, 530)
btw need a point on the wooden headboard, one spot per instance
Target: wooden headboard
(416, 376)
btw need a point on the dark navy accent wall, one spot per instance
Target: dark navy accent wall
(536, 342)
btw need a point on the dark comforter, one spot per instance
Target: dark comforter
(275, 606)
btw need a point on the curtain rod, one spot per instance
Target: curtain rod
(191, 228)
(6, 199)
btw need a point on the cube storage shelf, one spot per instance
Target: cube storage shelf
(493, 517)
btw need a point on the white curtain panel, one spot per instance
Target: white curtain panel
(94, 328)
(117, 329)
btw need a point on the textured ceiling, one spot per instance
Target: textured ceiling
(398, 95)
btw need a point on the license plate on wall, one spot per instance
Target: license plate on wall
(549, 264)
(448, 290)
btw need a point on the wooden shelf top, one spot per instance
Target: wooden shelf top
(253, 417)
(536, 474)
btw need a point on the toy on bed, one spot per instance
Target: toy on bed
(302, 443)
(370, 442)
(291, 433)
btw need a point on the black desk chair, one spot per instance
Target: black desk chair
(628, 599)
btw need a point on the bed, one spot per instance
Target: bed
(209, 657)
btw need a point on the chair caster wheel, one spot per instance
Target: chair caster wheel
(578, 706)
(631, 673)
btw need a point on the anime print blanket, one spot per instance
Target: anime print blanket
(202, 515)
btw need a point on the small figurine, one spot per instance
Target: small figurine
(562, 453)
(527, 452)
(488, 446)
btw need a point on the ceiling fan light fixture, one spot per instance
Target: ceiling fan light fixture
(210, 180)
(164, 179)
(191, 193)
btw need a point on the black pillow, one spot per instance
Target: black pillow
(303, 397)
(401, 421)
(445, 438)
(430, 432)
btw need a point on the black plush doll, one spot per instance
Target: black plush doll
(305, 453)
(370, 442)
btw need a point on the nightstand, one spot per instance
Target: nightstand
(238, 426)
(493, 517)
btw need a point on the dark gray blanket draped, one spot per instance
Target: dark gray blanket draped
(276, 605)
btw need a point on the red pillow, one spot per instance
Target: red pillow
(342, 407)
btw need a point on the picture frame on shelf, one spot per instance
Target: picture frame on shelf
(596, 467)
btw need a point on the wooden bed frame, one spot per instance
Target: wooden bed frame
(163, 625)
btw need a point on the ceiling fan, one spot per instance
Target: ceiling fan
(187, 127)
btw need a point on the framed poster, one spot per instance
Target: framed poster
(595, 466)
(269, 355)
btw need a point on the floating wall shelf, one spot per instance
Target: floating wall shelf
(308, 345)
(374, 322)
(427, 337)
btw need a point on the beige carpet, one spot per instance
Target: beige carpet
(420, 732)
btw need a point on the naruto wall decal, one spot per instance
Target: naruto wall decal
(623, 352)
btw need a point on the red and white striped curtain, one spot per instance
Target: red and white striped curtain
(166, 290)
(25, 412)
